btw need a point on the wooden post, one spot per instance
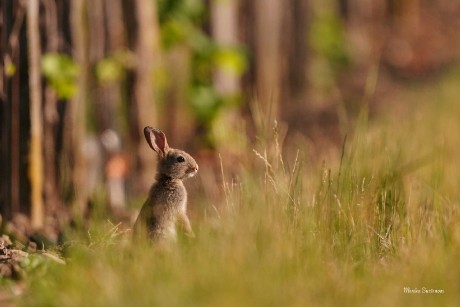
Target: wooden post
(268, 21)
(76, 123)
(148, 54)
(224, 26)
(36, 115)
(224, 21)
(51, 117)
(5, 110)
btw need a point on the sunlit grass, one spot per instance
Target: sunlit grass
(355, 230)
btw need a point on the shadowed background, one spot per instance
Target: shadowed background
(80, 79)
(326, 132)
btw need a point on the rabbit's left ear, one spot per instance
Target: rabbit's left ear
(156, 140)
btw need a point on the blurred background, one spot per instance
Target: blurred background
(80, 79)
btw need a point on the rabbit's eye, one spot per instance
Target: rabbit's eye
(180, 159)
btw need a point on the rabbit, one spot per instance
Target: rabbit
(167, 201)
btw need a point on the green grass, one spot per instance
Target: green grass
(354, 230)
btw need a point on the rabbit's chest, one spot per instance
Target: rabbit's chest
(176, 200)
(169, 200)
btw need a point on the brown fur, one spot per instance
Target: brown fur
(166, 204)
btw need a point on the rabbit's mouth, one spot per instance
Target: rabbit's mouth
(192, 172)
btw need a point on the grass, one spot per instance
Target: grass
(353, 230)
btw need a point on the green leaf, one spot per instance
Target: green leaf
(109, 70)
(61, 72)
(327, 39)
(205, 103)
(10, 69)
(231, 60)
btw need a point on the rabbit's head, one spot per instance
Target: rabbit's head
(173, 163)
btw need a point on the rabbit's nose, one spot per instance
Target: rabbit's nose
(196, 168)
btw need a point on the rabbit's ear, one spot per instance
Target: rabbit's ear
(157, 140)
